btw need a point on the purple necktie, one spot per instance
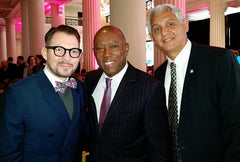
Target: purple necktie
(105, 103)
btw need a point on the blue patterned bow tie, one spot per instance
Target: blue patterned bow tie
(62, 86)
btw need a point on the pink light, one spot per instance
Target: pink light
(60, 10)
(18, 26)
(199, 9)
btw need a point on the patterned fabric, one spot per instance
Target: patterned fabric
(173, 114)
(105, 103)
(62, 86)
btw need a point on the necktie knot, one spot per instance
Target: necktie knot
(108, 83)
(62, 86)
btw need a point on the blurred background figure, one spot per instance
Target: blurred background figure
(31, 68)
(40, 61)
(20, 67)
(11, 69)
(4, 75)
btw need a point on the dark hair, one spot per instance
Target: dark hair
(29, 58)
(20, 58)
(40, 57)
(61, 28)
(10, 59)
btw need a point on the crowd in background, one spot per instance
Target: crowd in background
(11, 72)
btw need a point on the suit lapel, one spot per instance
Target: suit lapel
(92, 82)
(78, 101)
(123, 94)
(53, 99)
(190, 78)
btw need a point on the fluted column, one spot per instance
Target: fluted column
(129, 16)
(11, 37)
(57, 15)
(91, 23)
(36, 25)
(3, 45)
(217, 23)
(25, 28)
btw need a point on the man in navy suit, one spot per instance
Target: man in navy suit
(39, 121)
(135, 128)
(208, 90)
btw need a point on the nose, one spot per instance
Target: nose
(165, 30)
(107, 51)
(67, 55)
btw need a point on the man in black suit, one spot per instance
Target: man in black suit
(208, 90)
(135, 128)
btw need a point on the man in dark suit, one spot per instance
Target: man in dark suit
(41, 123)
(135, 128)
(208, 90)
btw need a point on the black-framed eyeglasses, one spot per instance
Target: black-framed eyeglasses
(61, 51)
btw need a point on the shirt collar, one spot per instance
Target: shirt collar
(118, 77)
(183, 56)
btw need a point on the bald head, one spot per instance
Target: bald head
(110, 49)
(110, 28)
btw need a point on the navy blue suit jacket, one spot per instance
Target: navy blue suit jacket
(136, 128)
(209, 127)
(35, 126)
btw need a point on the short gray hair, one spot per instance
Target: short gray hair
(175, 10)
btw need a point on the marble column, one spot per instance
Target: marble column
(3, 45)
(217, 22)
(25, 29)
(57, 15)
(36, 19)
(129, 16)
(91, 23)
(11, 37)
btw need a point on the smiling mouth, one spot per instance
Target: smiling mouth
(108, 62)
(167, 40)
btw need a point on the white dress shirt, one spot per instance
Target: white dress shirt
(181, 62)
(99, 90)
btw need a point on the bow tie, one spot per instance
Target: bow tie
(62, 86)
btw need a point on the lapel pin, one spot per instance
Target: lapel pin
(191, 71)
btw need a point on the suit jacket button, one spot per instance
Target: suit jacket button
(50, 135)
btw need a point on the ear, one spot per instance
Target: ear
(126, 48)
(186, 25)
(44, 52)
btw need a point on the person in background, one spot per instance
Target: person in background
(4, 75)
(31, 68)
(130, 124)
(206, 99)
(12, 69)
(20, 67)
(44, 116)
(40, 62)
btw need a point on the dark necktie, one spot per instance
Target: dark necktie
(62, 86)
(105, 103)
(173, 114)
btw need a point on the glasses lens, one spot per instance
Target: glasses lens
(59, 51)
(75, 52)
